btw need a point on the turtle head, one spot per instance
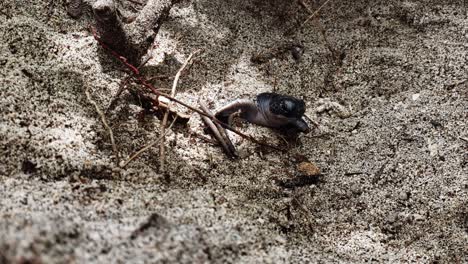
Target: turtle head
(282, 111)
(287, 106)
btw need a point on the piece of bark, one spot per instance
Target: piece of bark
(133, 40)
(110, 30)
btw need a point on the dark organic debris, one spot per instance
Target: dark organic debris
(297, 50)
(155, 221)
(299, 181)
(28, 167)
(75, 8)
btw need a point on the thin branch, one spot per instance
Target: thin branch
(229, 127)
(103, 119)
(315, 13)
(138, 153)
(219, 133)
(166, 115)
(304, 5)
(177, 76)
(321, 29)
(123, 85)
(114, 99)
(204, 138)
(144, 29)
(136, 2)
(354, 173)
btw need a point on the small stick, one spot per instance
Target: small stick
(122, 86)
(304, 5)
(216, 134)
(166, 115)
(315, 123)
(354, 173)
(315, 13)
(204, 138)
(157, 77)
(138, 153)
(457, 83)
(219, 133)
(229, 127)
(379, 172)
(321, 29)
(225, 136)
(135, 2)
(103, 119)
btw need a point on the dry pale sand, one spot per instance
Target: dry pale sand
(392, 141)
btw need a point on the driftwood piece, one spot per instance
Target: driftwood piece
(110, 29)
(132, 40)
(146, 26)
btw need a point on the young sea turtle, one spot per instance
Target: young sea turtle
(269, 110)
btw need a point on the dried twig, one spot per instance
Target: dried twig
(103, 119)
(123, 85)
(321, 29)
(229, 127)
(138, 153)
(379, 172)
(166, 115)
(354, 173)
(204, 138)
(114, 99)
(136, 2)
(455, 84)
(315, 13)
(219, 133)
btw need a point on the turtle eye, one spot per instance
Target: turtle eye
(292, 108)
(287, 106)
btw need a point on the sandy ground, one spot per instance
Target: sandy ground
(392, 141)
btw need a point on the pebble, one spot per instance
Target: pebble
(392, 218)
(308, 169)
(356, 189)
(403, 196)
(297, 51)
